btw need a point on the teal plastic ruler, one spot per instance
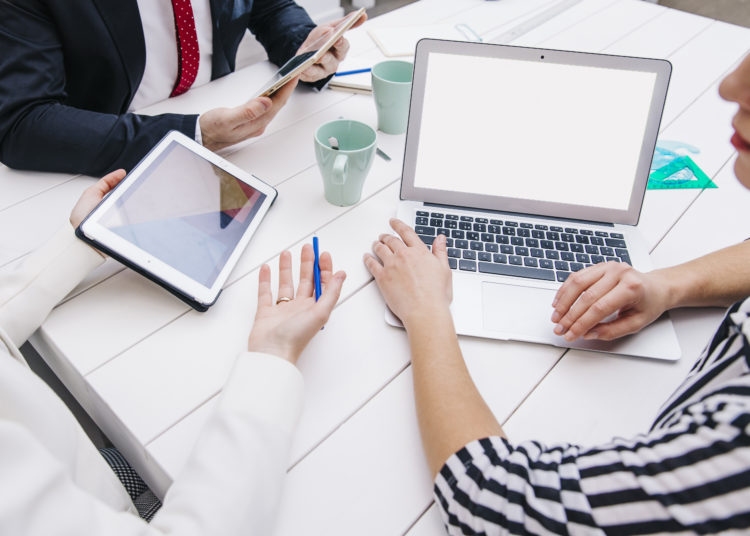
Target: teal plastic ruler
(681, 173)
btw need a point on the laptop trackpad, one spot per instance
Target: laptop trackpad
(518, 310)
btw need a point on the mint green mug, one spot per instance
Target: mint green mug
(391, 88)
(344, 169)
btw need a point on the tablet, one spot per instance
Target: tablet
(182, 218)
(314, 51)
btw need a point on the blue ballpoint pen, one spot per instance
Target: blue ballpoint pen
(355, 71)
(316, 268)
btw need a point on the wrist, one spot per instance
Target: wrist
(673, 287)
(428, 320)
(282, 352)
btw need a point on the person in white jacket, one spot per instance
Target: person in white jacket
(53, 480)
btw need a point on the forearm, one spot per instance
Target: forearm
(30, 291)
(232, 481)
(280, 26)
(717, 279)
(450, 410)
(82, 141)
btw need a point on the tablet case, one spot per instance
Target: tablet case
(190, 300)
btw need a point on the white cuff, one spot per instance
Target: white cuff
(198, 134)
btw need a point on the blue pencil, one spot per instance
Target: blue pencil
(356, 71)
(316, 268)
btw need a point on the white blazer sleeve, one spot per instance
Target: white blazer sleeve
(30, 291)
(230, 485)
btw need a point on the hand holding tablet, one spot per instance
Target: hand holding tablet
(182, 218)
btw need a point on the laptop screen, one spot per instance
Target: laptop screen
(553, 133)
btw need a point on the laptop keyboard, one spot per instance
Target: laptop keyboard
(521, 249)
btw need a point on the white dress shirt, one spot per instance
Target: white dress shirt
(54, 481)
(160, 74)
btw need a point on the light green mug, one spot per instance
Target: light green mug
(344, 169)
(391, 87)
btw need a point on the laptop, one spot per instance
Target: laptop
(534, 164)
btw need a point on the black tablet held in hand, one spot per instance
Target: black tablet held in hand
(182, 218)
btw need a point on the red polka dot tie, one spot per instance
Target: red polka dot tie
(187, 46)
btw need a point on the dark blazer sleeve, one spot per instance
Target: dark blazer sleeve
(42, 127)
(280, 26)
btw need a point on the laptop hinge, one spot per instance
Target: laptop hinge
(519, 214)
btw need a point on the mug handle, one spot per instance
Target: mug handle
(339, 169)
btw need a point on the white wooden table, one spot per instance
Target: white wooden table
(148, 368)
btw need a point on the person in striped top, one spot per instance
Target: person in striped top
(690, 473)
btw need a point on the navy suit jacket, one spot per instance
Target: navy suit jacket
(69, 70)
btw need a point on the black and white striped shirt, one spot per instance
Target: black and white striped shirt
(690, 474)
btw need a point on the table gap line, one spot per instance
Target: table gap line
(694, 36)
(248, 273)
(419, 517)
(536, 386)
(94, 284)
(217, 393)
(40, 192)
(635, 29)
(356, 410)
(315, 231)
(135, 343)
(576, 23)
(253, 141)
(201, 404)
(714, 84)
(530, 14)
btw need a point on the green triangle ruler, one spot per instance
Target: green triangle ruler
(681, 173)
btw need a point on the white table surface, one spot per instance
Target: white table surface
(148, 368)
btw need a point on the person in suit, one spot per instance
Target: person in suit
(54, 481)
(72, 73)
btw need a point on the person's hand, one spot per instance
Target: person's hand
(590, 296)
(93, 194)
(329, 62)
(415, 282)
(222, 127)
(285, 327)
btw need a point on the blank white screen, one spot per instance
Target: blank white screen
(532, 130)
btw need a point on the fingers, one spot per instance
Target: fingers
(594, 305)
(373, 266)
(360, 21)
(251, 111)
(440, 249)
(282, 95)
(627, 323)
(569, 292)
(326, 267)
(306, 272)
(331, 293)
(590, 296)
(286, 284)
(393, 242)
(109, 181)
(265, 298)
(406, 233)
(340, 49)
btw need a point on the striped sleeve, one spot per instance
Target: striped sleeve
(693, 477)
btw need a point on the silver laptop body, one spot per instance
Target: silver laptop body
(544, 150)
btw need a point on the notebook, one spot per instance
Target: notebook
(534, 164)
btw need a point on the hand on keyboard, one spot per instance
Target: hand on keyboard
(415, 282)
(588, 297)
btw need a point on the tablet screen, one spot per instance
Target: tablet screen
(186, 212)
